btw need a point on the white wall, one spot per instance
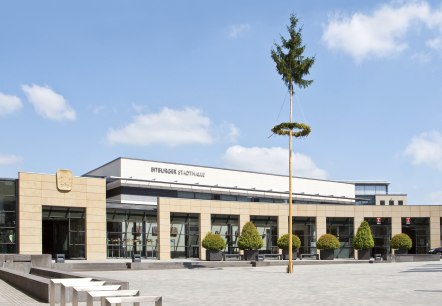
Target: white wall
(149, 170)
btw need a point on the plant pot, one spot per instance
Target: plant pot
(214, 255)
(364, 254)
(327, 254)
(401, 252)
(251, 254)
(285, 254)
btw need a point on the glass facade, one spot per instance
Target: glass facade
(268, 229)
(343, 229)
(305, 229)
(381, 232)
(419, 231)
(184, 235)
(8, 216)
(365, 193)
(369, 189)
(227, 227)
(131, 231)
(63, 231)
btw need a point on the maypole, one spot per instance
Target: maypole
(292, 66)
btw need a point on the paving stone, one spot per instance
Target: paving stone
(338, 284)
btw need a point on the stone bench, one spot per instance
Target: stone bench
(232, 257)
(316, 256)
(86, 288)
(105, 294)
(57, 282)
(273, 256)
(66, 286)
(136, 300)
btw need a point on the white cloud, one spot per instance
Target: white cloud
(169, 127)
(421, 57)
(426, 149)
(9, 104)
(273, 160)
(380, 34)
(96, 109)
(238, 30)
(228, 131)
(435, 43)
(49, 104)
(6, 159)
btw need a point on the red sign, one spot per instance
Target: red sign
(378, 221)
(407, 220)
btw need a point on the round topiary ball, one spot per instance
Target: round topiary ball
(283, 242)
(328, 242)
(401, 241)
(213, 242)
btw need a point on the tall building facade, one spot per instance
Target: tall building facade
(163, 210)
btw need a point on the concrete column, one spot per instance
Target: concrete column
(356, 223)
(243, 219)
(435, 238)
(163, 220)
(205, 227)
(283, 226)
(396, 225)
(321, 227)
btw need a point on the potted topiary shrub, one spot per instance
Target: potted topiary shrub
(327, 243)
(250, 241)
(401, 243)
(283, 244)
(363, 241)
(214, 244)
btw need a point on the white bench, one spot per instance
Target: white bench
(56, 282)
(232, 257)
(104, 294)
(86, 288)
(273, 256)
(136, 300)
(316, 256)
(65, 286)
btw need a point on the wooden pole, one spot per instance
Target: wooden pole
(290, 267)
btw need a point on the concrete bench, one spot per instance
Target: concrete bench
(314, 255)
(136, 300)
(58, 281)
(66, 286)
(87, 288)
(105, 294)
(232, 257)
(273, 256)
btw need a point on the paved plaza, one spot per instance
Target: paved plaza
(351, 284)
(346, 284)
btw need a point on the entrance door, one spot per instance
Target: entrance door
(63, 231)
(419, 231)
(55, 237)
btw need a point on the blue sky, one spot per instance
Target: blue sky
(84, 82)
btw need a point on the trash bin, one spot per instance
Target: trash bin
(59, 258)
(136, 257)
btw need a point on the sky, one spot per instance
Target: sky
(85, 82)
